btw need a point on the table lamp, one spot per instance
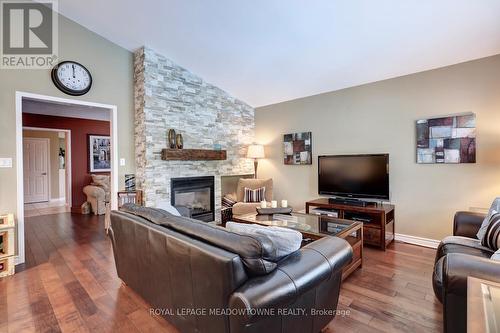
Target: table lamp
(255, 152)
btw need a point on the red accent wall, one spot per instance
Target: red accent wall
(80, 129)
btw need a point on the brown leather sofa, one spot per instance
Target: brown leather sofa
(458, 257)
(204, 278)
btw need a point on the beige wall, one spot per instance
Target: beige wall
(379, 118)
(54, 158)
(112, 71)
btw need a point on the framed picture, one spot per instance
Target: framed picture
(449, 140)
(297, 148)
(99, 153)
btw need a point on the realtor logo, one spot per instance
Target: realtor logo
(29, 34)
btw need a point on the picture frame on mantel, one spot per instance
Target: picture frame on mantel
(99, 152)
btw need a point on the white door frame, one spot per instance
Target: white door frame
(67, 194)
(49, 179)
(19, 156)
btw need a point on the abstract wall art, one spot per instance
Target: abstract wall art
(447, 140)
(297, 148)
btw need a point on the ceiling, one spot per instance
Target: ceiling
(64, 110)
(268, 51)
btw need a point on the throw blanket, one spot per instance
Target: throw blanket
(285, 240)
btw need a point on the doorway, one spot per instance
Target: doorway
(56, 178)
(22, 97)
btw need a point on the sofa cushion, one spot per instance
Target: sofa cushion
(256, 195)
(495, 208)
(491, 237)
(496, 255)
(285, 240)
(459, 244)
(257, 253)
(254, 184)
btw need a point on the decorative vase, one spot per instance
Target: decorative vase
(179, 141)
(171, 138)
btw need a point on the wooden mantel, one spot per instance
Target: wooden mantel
(192, 155)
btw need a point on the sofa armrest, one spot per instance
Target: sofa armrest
(458, 266)
(297, 273)
(467, 224)
(94, 191)
(242, 208)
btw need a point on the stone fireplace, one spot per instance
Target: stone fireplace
(169, 96)
(195, 193)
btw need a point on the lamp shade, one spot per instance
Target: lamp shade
(255, 151)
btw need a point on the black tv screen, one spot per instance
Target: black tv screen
(356, 176)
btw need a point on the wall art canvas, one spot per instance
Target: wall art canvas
(297, 148)
(447, 140)
(100, 153)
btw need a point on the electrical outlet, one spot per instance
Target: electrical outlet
(5, 162)
(122, 162)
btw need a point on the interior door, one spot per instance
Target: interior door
(36, 168)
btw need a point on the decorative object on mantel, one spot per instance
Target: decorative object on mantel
(297, 148)
(449, 139)
(130, 182)
(7, 244)
(192, 155)
(270, 211)
(255, 151)
(171, 139)
(179, 142)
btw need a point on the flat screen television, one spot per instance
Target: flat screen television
(354, 176)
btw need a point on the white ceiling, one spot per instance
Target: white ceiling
(267, 51)
(65, 110)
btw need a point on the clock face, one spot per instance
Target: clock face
(72, 78)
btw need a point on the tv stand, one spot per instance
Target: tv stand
(378, 219)
(348, 201)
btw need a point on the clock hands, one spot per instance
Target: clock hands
(73, 66)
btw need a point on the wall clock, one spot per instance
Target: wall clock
(72, 78)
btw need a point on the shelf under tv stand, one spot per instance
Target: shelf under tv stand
(379, 232)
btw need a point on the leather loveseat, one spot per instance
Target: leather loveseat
(204, 278)
(458, 257)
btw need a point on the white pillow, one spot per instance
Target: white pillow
(165, 205)
(285, 240)
(496, 255)
(495, 208)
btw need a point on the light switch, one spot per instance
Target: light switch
(5, 162)
(122, 162)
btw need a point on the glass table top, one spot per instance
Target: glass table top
(306, 223)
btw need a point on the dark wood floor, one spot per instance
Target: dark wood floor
(69, 284)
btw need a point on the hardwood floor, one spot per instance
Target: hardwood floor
(69, 284)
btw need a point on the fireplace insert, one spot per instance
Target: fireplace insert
(195, 193)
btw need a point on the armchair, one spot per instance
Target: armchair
(98, 193)
(458, 257)
(241, 208)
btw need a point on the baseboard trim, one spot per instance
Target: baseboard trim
(63, 199)
(426, 242)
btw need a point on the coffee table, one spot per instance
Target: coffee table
(314, 227)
